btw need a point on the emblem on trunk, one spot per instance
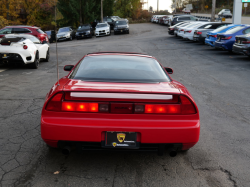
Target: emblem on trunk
(114, 144)
(121, 137)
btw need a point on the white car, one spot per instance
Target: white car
(176, 30)
(180, 29)
(23, 48)
(187, 28)
(189, 32)
(226, 13)
(102, 29)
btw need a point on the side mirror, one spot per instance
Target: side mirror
(44, 42)
(68, 67)
(169, 70)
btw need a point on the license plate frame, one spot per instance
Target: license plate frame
(122, 140)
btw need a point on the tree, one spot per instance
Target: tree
(9, 12)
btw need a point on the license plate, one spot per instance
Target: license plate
(121, 139)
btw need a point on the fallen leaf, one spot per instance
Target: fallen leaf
(57, 172)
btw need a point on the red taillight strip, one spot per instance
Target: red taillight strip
(121, 95)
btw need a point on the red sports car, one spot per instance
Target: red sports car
(117, 101)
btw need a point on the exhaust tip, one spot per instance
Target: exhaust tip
(172, 153)
(66, 150)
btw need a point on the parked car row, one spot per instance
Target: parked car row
(88, 31)
(226, 36)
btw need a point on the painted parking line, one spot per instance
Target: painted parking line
(2, 70)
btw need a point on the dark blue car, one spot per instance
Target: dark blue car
(226, 40)
(212, 36)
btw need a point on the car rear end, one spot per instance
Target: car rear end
(242, 45)
(224, 41)
(14, 50)
(210, 39)
(42, 36)
(77, 120)
(96, 115)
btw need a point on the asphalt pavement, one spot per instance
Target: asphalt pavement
(218, 81)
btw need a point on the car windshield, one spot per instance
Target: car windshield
(120, 68)
(101, 25)
(234, 30)
(83, 27)
(63, 30)
(121, 23)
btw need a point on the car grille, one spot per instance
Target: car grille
(102, 31)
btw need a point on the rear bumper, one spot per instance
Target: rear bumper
(209, 42)
(12, 56)
(241, 50)
(223, 45)
(151, 129)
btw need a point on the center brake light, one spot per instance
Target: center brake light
(57, 103)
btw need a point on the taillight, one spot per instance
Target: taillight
(189, 31)
(163, 109)
(81, 107)
(25, 47)
(187, 106)
(55, 104)
(227, 38)
(182, 106)
(171, 28)
(245, 42)
(215, 36)
(198, 33)
(182, 30)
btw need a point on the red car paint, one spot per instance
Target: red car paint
(33, 31)
(91, 127)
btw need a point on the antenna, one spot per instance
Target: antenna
(57, 68)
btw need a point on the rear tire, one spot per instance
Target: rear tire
(36, 62)
(47, 56)
(70, 39)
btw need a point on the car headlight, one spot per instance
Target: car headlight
(87, 32)
(67, 35)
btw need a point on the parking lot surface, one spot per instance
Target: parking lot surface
(218, 81)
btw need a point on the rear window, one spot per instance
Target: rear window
(40, 31)
(118, 68)
(235, 29)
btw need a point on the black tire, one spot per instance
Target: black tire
(36, 62)
(127, 32)
(71, 38)
(47, 56)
